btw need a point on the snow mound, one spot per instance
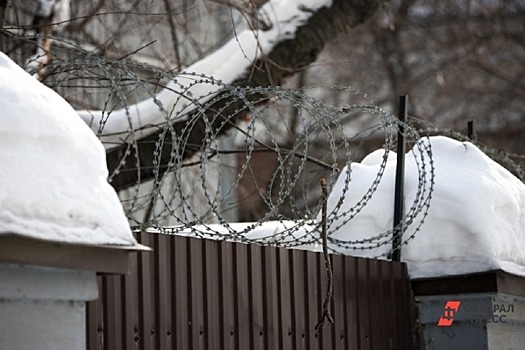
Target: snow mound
(476, 218)
(53, 175)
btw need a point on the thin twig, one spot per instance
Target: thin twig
(327, 304)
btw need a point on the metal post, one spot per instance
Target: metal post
(399, 185)
(470, 131)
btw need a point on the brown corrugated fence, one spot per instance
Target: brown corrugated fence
(201, 294)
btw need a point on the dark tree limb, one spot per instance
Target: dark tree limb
(154, 153)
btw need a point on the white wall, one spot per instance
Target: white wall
(44, 308)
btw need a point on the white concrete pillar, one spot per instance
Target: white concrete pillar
(44, 308)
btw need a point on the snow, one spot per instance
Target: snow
(476, 218)
(53, 176)
(285, 232)
(184, 93)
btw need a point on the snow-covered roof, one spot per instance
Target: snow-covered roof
(475, 221)
(53, 174)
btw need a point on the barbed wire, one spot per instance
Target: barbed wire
(260, 156)
(179, 204)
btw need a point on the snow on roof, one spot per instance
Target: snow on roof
(476, 218)
(226, 64)
(53, 172)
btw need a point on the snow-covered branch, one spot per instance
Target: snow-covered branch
(229, 63)
(297, 32)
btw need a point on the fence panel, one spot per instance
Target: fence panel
(201, 294)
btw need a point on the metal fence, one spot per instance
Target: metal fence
(201, 294)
